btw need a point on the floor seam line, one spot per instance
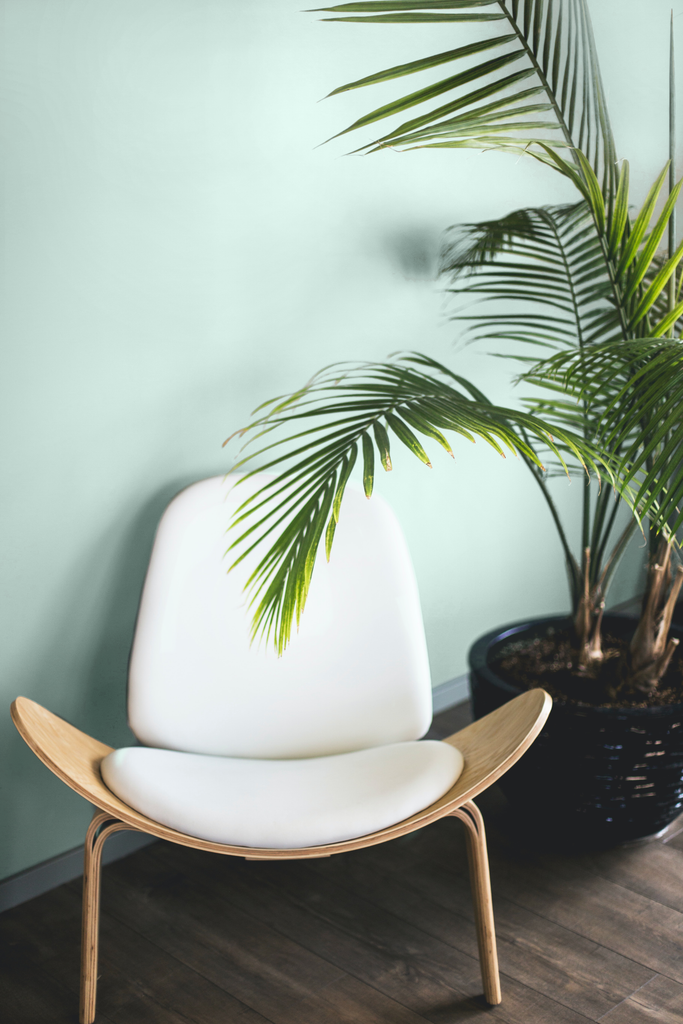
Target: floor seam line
(657, 903)
(622, 1001)
(184, 963)
(393, 998)
(638, 963)
(277, 931)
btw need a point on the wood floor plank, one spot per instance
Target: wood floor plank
(30, 996)
(673, 830)
(676, 841)
(598, 909)
(566, 890)
(346, 931)
(137, 980)
(404, 962)
(353, 1000)
(534, 951)
(658, 1002)
(43, 927)
(137, 977)
(452, 720)
(443, 841)
(381, 936)
(654, 870)
(288, 983)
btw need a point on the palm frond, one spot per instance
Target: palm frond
(546, 262)
(553, 43)
(589, 273)
(542, 274)
(639, 385)
(321, 430)
(583, 280)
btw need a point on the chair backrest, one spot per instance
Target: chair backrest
(356, 675)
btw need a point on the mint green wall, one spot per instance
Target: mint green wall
(175, 250)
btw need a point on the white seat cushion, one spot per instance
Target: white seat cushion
(283, 804)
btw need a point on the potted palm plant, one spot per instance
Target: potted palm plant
(588, 291)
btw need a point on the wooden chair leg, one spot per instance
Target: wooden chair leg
(95, 838)
(480, 881)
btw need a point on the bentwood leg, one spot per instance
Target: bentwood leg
(96, 836)
(480, 881)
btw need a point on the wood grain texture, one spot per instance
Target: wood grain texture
(382, 935)
(139, 981)
(99, 830)
(249, 956)
(612, 915)
(675, 839)
(658, 1002)
(30, 995)
(482, 901)
(434, 896)
(650, 869)
(381, 950)
(490, 747)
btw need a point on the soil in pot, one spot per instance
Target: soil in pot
(549, 661)
(598, 774)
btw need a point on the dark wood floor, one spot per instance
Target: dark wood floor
(381, 935)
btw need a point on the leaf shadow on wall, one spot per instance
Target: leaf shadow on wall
(413, 252)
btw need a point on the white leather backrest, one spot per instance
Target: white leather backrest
(356, 675)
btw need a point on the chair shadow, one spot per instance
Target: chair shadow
(467, 1008)
(103, 709)
(81, 674)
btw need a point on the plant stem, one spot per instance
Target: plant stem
(602, 542)
(617, 552)
(672, 168)
(573, 570)
(585, 517)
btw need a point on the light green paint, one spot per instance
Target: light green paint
(176, 250)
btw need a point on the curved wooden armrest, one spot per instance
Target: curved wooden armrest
(490, 747)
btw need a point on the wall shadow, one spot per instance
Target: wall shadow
(80, 672)
(103, 708)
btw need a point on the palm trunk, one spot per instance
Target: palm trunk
(588, 621)
(651, 648)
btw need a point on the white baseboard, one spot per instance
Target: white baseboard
(455, 691)
(64, 868)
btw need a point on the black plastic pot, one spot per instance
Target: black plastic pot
(595, 776)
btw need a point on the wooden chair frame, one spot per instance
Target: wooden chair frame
(490, 747)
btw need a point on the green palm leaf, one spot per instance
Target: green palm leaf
(585, 282)
(574, 282)
(582, 285)
(548, 264)
(553, 41)
(588, 273)
(639, 385)
(321, 427)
